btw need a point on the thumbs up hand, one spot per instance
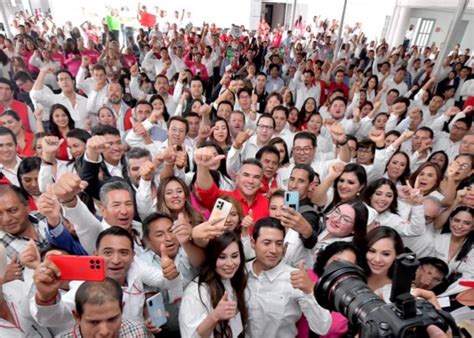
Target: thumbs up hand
(13, 271)
(301, 280)
(167, 264)
(182, 229)
(247, 222)
(226, 309)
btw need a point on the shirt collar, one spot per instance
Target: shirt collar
(272, 273)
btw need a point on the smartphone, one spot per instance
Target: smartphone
(86, 268)
(220, 211)
(292, 199)
(156, 310)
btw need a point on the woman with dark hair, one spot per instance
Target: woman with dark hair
(398, 168)
(12, 121)
(441, 159)
(372, 87)
(382, 246)
(214, 304)
(60, 123)
(347, 221)
(72, 56)
(309, 107)
(455, 245)
(28, 172)
(159, 105)
(427, 178)
(175, 198)
(221, 134)
(51, 167)
(381, 198)
(282, 148)
(293, 120)
(347, 182)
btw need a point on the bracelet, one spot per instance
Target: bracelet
(46, 162)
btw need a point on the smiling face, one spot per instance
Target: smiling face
(270, 162)
(249, 180)
(12, 124)
(220, 132)
(228, 261)
(269, 248)
(381, 256)
(118, 209)
(340, 222)
(160, 233)
(348, 186)
(30, 183)
(382, 198)
(60, 119)
(275, 207)
(175, 196)
(461, 224)
(233, 220)
(13, 214)
(118, 256)
(396, 166)
(76, 146)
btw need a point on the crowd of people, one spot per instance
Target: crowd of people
(117, 142)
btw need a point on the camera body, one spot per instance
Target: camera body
(343, 288)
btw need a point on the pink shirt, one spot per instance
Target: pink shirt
(339, 322)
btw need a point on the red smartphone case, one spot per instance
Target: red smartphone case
(86, 268)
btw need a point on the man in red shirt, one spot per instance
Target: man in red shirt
(248, 181)
(338, 83)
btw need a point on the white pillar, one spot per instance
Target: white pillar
(401, 26)
(393, 25)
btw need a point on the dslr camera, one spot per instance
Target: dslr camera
(343, 288)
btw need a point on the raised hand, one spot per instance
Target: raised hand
(68, 187)
(86, 60)
(337, 132)
(49, 206)
(147, 171)
(182, 229)
(336, 170)
(205, 157)
(378, 137)
(46, 279)
(301, 280)
(50, 146)
(95, 146)
(241, 138)
(30, 256)
(167, 264)
(226, 309)
(208, 230)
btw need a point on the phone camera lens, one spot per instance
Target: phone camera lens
(97, 262)
(91, 261)
(92, 266)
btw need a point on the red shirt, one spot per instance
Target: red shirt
(259, 205)
(27, 151)
(333, 86)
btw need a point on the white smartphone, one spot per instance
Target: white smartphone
(156, 310)
(220, 211)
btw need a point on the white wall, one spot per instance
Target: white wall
(442, 21)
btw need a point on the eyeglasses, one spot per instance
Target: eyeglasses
(364, 150)
(305, 150)
(345, 220)
(464, 166)
(263, 127)
(459, 128)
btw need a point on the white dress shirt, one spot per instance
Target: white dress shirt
(302, 92)
(274, 306)
(79, 112)
(196, 306)
(235, 157)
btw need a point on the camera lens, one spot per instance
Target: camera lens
(343, 289)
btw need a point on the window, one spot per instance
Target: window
(424, 29)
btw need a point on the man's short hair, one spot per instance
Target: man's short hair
(22, 76)
(98, 67)
(136, 153)
(252, 161)
(113, 231)
(306, 168)
(305, 135)
(98, 293)
(283, 109)
(7, 131)
(244, 90)
(268, 149)
(180, 119)
(6, 82)
(112, 185)
(152, 218)
(105, 129)
(144, 102)
(266, 116)
(427, 129)
(20, 194)
(64, 71)
(267, 222)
